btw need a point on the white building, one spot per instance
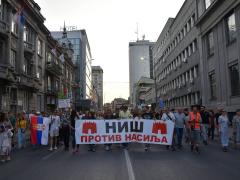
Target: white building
(140, 64)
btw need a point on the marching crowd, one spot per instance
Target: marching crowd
(191, 126)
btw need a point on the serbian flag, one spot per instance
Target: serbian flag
(39, 130)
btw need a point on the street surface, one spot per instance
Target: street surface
(134, 164)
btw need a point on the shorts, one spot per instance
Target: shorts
(54, 132)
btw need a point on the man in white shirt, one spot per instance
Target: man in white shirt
(54, 130)
(169, 116)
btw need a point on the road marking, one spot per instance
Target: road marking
(50, 154)
(129, 166)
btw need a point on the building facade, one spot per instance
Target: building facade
(59, 75)
(82, 59)
(219, 26)
(118, 103)
(176, 59)
(143, 89)
(140, 64)
(25, 52)
(22, 58)
(97, 81)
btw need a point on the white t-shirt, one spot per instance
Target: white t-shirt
(55, 122)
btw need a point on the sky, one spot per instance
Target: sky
(110, 26)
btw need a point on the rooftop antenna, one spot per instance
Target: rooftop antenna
(64, 31)
(137, 33)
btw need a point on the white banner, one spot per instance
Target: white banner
(64, 103)
(124, 131)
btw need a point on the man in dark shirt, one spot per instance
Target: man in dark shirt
(147, 114)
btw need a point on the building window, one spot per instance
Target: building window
(25, 34)
(39, 73)
(14, 26)
(234, 79)
(210, 44)
(208, 3)
(231, 28)
(192, 20)
(49, 83)
(0, 9)
(39, 50)
(49, 57)
(188, 25)
(213, 85)
(13, 58)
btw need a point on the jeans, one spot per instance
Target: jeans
(66, 136)
(21, 138)
(179, 132)
(74, 140)
(211, 132)
(205, 132)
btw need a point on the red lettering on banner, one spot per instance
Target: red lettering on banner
(128, 137)
(139, 137)
(157, 140)
(90, 138)
(111, 138)
(84, 138)
(152, 139)
(97, 138)
(118, 138)
(146, 138)
(134, 137)
(164, 139)
(104, 137)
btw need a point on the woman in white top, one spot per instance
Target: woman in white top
(223, 130)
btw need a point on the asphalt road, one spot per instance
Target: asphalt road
(134, 164)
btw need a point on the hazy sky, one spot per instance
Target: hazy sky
(110, 25)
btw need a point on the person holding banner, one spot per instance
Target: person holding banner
(108, 115)
(169, 116)
(73, 118)
(90, 116)
(147, 114)
(54, 130)
(124, 114)
(65, 123)
(195, 128)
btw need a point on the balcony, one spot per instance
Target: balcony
(54, 68)
(28, 82)
(29, 48)
(4, 28)
(6, 74)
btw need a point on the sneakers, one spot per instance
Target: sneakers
(50, 149)
(55, 148)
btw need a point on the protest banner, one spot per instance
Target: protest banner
(124, 131)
